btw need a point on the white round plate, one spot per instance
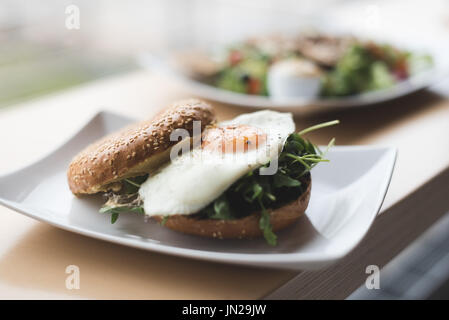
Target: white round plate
(297, 105)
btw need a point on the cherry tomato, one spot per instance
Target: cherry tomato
(400, 70)
(235, 57)
(254, 86)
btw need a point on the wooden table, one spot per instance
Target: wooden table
(33, 255)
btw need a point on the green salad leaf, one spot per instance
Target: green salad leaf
(265, 226)
(116, 210)
(368, 67)
(353, 73)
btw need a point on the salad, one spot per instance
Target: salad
(312, 65)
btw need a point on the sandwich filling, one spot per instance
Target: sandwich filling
(252, 163)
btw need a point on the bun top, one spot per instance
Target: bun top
(135, 150)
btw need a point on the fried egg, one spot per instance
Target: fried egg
(227, 152)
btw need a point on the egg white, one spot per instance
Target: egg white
(193, 180)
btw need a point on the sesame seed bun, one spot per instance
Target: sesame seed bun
(247, 227)
(135, 150)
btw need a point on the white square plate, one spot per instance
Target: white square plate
(347, 194)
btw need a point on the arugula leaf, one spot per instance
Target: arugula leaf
(132, 185)
(114, 217)
(294, 146)
(221, 209)
(265, 226)
(253, 191)
(115, 211)
(120, 209)
(164, 220)
(282, 180)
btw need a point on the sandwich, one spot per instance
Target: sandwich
(242, 178)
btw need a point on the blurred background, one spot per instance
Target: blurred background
(40, 55)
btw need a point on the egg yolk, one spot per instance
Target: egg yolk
(233, 139)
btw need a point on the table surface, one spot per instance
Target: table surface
(33, 255)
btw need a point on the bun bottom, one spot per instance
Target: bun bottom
(243, 228)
